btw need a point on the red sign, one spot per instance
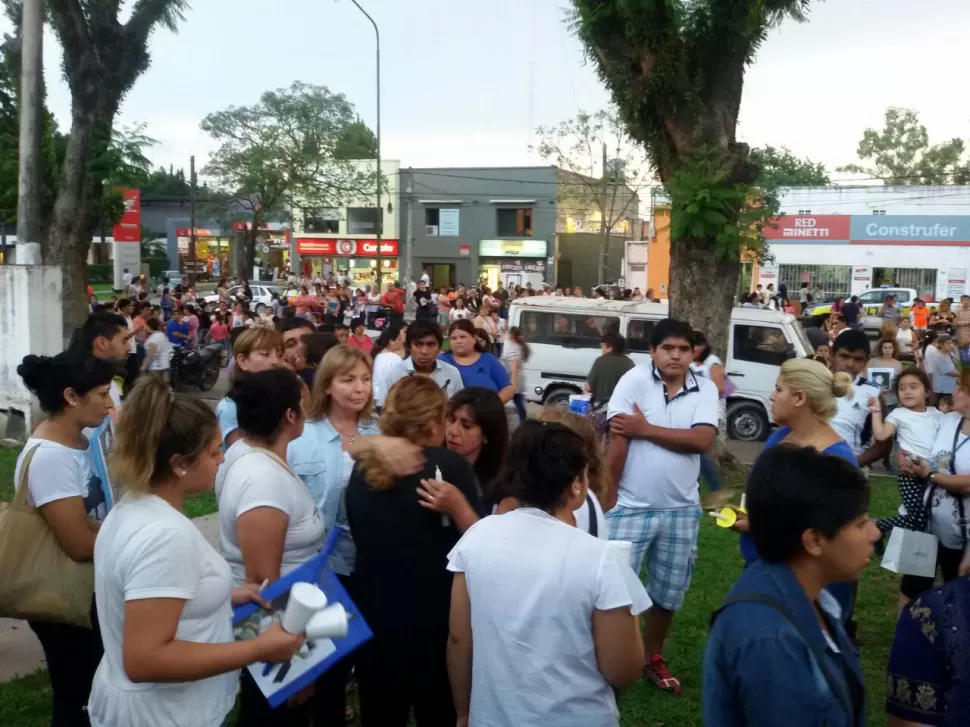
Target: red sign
(464, 250)
(186, 232)
(809, 227)
(128, 228)
(345, 248)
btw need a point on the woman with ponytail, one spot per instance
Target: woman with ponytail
(74, 390)
(388, 353)
(399, 583)
(512, 571)
(164, 594)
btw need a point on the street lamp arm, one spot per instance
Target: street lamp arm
(367, 15)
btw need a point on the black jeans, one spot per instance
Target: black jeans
(254, 710)
(948, 562)
(330, 699)
(73, 654)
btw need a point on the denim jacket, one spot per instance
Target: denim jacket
(317, 457)
(759, 671)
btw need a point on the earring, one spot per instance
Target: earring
(181, 473)
(73, 403)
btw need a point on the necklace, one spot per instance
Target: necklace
(351, 438)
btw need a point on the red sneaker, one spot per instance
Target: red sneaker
(656, 671)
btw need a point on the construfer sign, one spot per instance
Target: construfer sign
(920, 229)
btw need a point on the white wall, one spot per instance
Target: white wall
(391, 193)
(30, 322)
(895, 200)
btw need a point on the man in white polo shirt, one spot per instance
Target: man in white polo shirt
(663, 419)
(424, 341)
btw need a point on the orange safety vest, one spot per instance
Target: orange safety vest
(920, 317)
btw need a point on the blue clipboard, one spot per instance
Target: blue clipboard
(276, 688)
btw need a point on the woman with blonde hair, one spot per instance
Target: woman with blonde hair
(256, 349)
(399, 582)
(340, 429)
(164, 594)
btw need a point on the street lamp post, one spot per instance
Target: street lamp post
(380, 208)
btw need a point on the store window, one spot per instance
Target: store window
(432, 219)
(827, 281)
(514, 222)
(761, 344)
(362, 220)
(566, 329)
(322, 219)
(639, 331)
(922, 280)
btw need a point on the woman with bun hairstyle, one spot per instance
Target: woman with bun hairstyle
(55, 465)
(388, 353)
(510, 568)
(165, 595)
(269, 523)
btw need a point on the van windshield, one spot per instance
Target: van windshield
(801, 340)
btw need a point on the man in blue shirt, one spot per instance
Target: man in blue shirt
(778, 653)
(177, 329)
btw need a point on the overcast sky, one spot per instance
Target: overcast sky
(464, 82)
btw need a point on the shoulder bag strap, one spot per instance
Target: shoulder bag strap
(834, 685)
(20, 498)
(953, 470)
(594, 528)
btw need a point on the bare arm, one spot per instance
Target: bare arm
(717, 376)
(151, 653)
(619, 649)
(881, 429)
(696, 440)
(262, 533)
(615, 462)
(957, 484)
(71, 526)
(459, 651)
(506, 394)
(516, 369)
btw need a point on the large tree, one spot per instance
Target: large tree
(102, 59)
(781, 168)
(675, 70)
(901, 153)
(282, 153)
(601, 173)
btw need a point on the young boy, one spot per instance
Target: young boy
(778, 653)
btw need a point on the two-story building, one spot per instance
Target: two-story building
(343, 240)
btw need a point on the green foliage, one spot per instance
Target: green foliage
(101, 273)
(780, 168)
(707, 207)
(902, 154)
(356, 141)
(169, 182)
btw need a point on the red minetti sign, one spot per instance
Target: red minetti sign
(819, 228)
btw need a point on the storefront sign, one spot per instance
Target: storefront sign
(128, 228)
(345, 248)
(186, 232)
(919, 229)
(956, 283)
(523, 266)
(448, 223)
(464, 250)
(817, 228)
(768, 275)
(862, 275)
(512, 248)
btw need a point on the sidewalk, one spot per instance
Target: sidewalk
(21, 651)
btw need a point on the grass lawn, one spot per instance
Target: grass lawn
(25, 702)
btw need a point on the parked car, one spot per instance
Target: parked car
(871, 301)
(263, 296)
(564, 339)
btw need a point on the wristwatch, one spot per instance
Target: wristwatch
(932, 478)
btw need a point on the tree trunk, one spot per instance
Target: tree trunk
(248, 257)
(604, 256)
(72, 226)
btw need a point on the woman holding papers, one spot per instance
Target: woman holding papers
(269, 524)
(164, 595)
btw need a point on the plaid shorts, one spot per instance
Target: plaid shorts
(668, 539)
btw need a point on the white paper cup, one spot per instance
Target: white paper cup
(305, 600)
(330, 623)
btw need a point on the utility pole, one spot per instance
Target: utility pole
(604, 229)
(191, 270)
(29, 173)
(380, 208)
(408, 191)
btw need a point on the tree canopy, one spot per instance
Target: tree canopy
(284, 152)
(901, 153)
(781, 168)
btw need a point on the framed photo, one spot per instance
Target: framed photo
(883, 378)
(101, 443)
(279, 682)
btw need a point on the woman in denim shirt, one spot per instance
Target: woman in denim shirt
(338, 430)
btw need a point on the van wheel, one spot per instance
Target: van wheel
(558, 398)
(747, 422)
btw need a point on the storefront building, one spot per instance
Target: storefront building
(353, 258)
(848, 254)
(512, 262)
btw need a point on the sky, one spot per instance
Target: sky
(464, 82)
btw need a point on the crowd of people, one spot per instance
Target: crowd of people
(499, 574)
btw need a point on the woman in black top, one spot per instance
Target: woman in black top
(400, 582)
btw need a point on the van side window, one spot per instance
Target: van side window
(760, 344)
(566, 329)
(638, 334)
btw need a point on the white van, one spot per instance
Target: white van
(564, 337)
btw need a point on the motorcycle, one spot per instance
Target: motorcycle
(196, 369)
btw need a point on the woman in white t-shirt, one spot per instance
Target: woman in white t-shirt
(389, 352)
(947, 496)
(269, 523)
(158, 349)
(510, 568)
(164, 594)
(710, 367)
(55, 466)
